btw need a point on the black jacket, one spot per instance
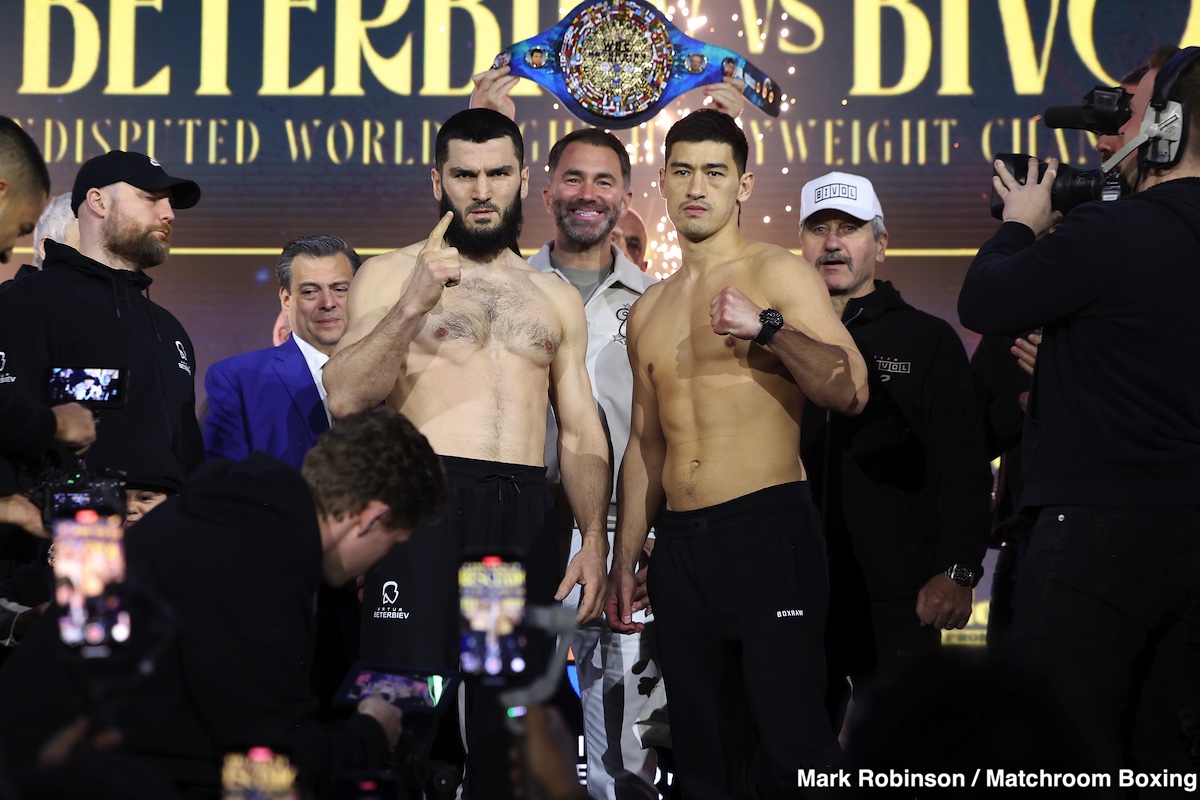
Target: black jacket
(1114, 409)
(77, 312)
(903, 487)
(27, 427)
(236, 558)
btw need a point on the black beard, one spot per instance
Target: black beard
(483, 245)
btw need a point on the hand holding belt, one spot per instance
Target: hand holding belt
(617, 63)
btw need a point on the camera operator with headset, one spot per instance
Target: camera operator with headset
(1112, 430)
(1003, 366)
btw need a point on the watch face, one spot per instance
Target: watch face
(771, 317)
(962, 575)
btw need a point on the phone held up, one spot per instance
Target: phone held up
(492, 635)
(86, 515)
(94, 387)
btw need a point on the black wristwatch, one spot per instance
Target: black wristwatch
(771, 321)
(964, 576)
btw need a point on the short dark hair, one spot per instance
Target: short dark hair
(21, 161)
(477, 125)
(1161, 55)
(1134, 76)
(595, 138)
(708, 125)
(375, 455)
(322, 245)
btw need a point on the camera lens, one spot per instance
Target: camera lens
(1071, 186)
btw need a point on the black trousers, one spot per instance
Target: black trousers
(1100, 603)
(740, 594)
(869, 640)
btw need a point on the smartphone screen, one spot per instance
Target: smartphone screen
(95, 387)
(492, 609)
(406, 689)
(258, 773)
(89, 569)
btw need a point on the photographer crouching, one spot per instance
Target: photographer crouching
(221, 581)
(1112, 430)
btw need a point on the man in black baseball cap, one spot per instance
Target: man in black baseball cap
(140, 171)
(90, 301)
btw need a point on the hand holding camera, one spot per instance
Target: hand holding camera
(1025, 202)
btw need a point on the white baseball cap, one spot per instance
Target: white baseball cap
(852, 194)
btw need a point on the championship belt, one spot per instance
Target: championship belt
(617, 63)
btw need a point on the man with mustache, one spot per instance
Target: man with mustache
(902, 487)
(467, 340)
(87, 307)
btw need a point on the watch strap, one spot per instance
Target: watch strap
(963, 575)
(771, 321)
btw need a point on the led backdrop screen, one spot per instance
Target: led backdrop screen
(307, 116)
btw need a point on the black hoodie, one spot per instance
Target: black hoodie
(223, 578)
(1114, 409)
(77, 312)
(903, 487)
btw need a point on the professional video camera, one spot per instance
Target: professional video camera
(1103, 111)
(1071, 186)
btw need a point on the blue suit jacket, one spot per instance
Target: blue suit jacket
(265, 400)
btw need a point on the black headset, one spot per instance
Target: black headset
(1165, 123)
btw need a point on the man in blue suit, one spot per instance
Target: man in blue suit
(273, 400)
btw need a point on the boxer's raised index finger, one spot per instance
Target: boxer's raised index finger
(434, 242)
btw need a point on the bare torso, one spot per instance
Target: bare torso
(728, 409)
(475, 379)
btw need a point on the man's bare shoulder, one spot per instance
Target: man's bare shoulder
(642, 308)
(401, 257)
(767, 256)
(653, 292)
(779, 268)
(386, 270)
